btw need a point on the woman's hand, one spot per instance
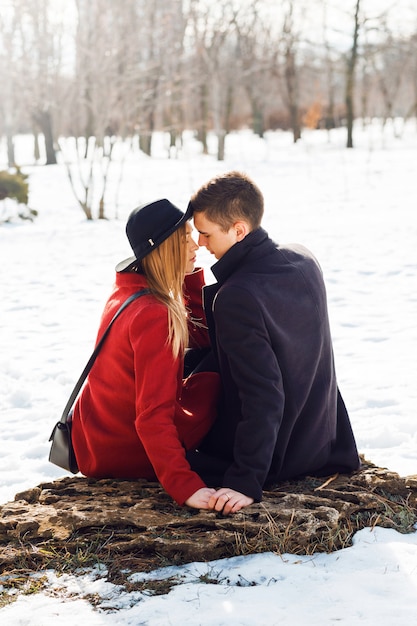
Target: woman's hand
(200, 499)
(228, 501)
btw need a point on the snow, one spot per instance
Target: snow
(356, 210)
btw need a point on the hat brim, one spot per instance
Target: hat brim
(129, 263)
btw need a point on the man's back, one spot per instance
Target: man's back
(281, 406)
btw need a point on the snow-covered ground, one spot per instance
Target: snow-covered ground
(356, 210)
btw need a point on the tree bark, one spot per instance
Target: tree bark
(350, 79)
(10, 148)
(44, 120)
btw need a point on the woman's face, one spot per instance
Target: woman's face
(192, 247)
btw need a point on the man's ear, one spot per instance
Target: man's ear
(242, 229)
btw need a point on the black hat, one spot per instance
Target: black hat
(148, 226)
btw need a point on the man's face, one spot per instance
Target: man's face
(213, 237)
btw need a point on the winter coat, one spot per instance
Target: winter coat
(281, 415)
(135, 416)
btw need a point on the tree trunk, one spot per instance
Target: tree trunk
(258, 125)
(292, 91)
(145, 143)
(44, 120)
(221, 137)
(222, 132)
(350, 80)
(295, 123)
(202, 131)
(36, 149)
(10, 148)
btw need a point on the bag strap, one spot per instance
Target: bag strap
(93, 357)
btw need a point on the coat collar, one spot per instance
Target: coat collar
(131, 279)
(255, 245)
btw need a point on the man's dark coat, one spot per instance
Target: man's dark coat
(282, 415)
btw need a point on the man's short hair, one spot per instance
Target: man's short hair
(228, 198)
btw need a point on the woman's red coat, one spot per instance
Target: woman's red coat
(135, 416)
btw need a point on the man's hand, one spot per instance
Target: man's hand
(228, 501)
(200, 499)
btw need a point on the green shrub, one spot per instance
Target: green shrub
(14, 186)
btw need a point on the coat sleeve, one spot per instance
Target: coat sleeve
(193, 297)
(244, 342)
(157, 379)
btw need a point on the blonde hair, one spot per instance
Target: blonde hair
(165, 269)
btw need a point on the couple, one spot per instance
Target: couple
(277, 413)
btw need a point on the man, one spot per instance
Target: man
(281, 415)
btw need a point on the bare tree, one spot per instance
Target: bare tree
(330, 59)
(8, 64)
(285, 66)
(389, 64)
(39, 67)
(412, 77)
(105, 97)
(173, 92)
(214, 41)
(27, 80)
(145, 65)
(255, 41)
(290, 42)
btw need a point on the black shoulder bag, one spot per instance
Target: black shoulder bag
(62, 452)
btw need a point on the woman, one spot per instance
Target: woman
(136, 417)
